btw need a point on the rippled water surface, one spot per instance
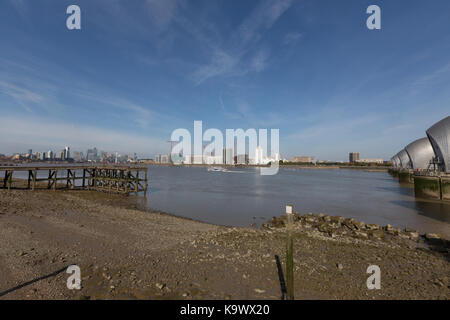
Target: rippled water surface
(241, 197)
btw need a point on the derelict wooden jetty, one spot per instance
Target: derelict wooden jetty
(107, 178)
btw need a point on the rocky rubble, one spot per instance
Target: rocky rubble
(335, 226)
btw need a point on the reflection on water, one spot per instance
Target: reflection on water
(241, 197)
(429, 208)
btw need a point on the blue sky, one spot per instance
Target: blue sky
(139, 69)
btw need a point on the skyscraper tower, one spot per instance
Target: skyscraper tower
(353, 156)
(66, 153)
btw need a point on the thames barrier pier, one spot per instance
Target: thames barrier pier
(426, 163)
(432, 187)
(106, 178)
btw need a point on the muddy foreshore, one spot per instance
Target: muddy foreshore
(127, 253)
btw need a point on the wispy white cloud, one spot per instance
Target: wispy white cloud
(292, 38)
(35, 90)
(241, 54)
(163, 12)
(141, 115)
(21, 95)
(251, 115)
(20, 6)
(234, 55)
(222, 63)
(431, 77)
(262, 18)
(259, 61)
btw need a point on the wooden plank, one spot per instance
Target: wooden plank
(73, 167)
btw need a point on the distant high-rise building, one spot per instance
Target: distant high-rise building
(258, 155)
(162, 158)
(66, 153)
(78, 156)
(242, 159)
(49, 154)
(91, 155)
(228, 156)
(40, 156)
(187, 159)
(197, 159)
(353, 156)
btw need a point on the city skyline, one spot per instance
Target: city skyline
(66, 154)
(227, 156)
(311, 69)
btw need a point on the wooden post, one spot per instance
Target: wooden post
(94, 182)
(10, 179)
(290, 254)
(29, 179)
(34, 178)
(49, 178)
(69, 172)
(126, 177)
(55, 181)
(84, 177)
(110, 181)
(73, 178)
(119, 178)
(137, 182)
(146, 185)
(5, 179)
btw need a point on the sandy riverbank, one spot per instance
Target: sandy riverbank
(127, 253)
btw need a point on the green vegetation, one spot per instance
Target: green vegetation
(427, 187)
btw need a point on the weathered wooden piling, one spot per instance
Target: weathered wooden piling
(108, 178)
(289, 254)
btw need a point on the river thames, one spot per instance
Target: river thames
(241, 197)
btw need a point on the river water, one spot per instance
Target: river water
(241, 197)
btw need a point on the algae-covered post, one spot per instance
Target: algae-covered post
(290, 253)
